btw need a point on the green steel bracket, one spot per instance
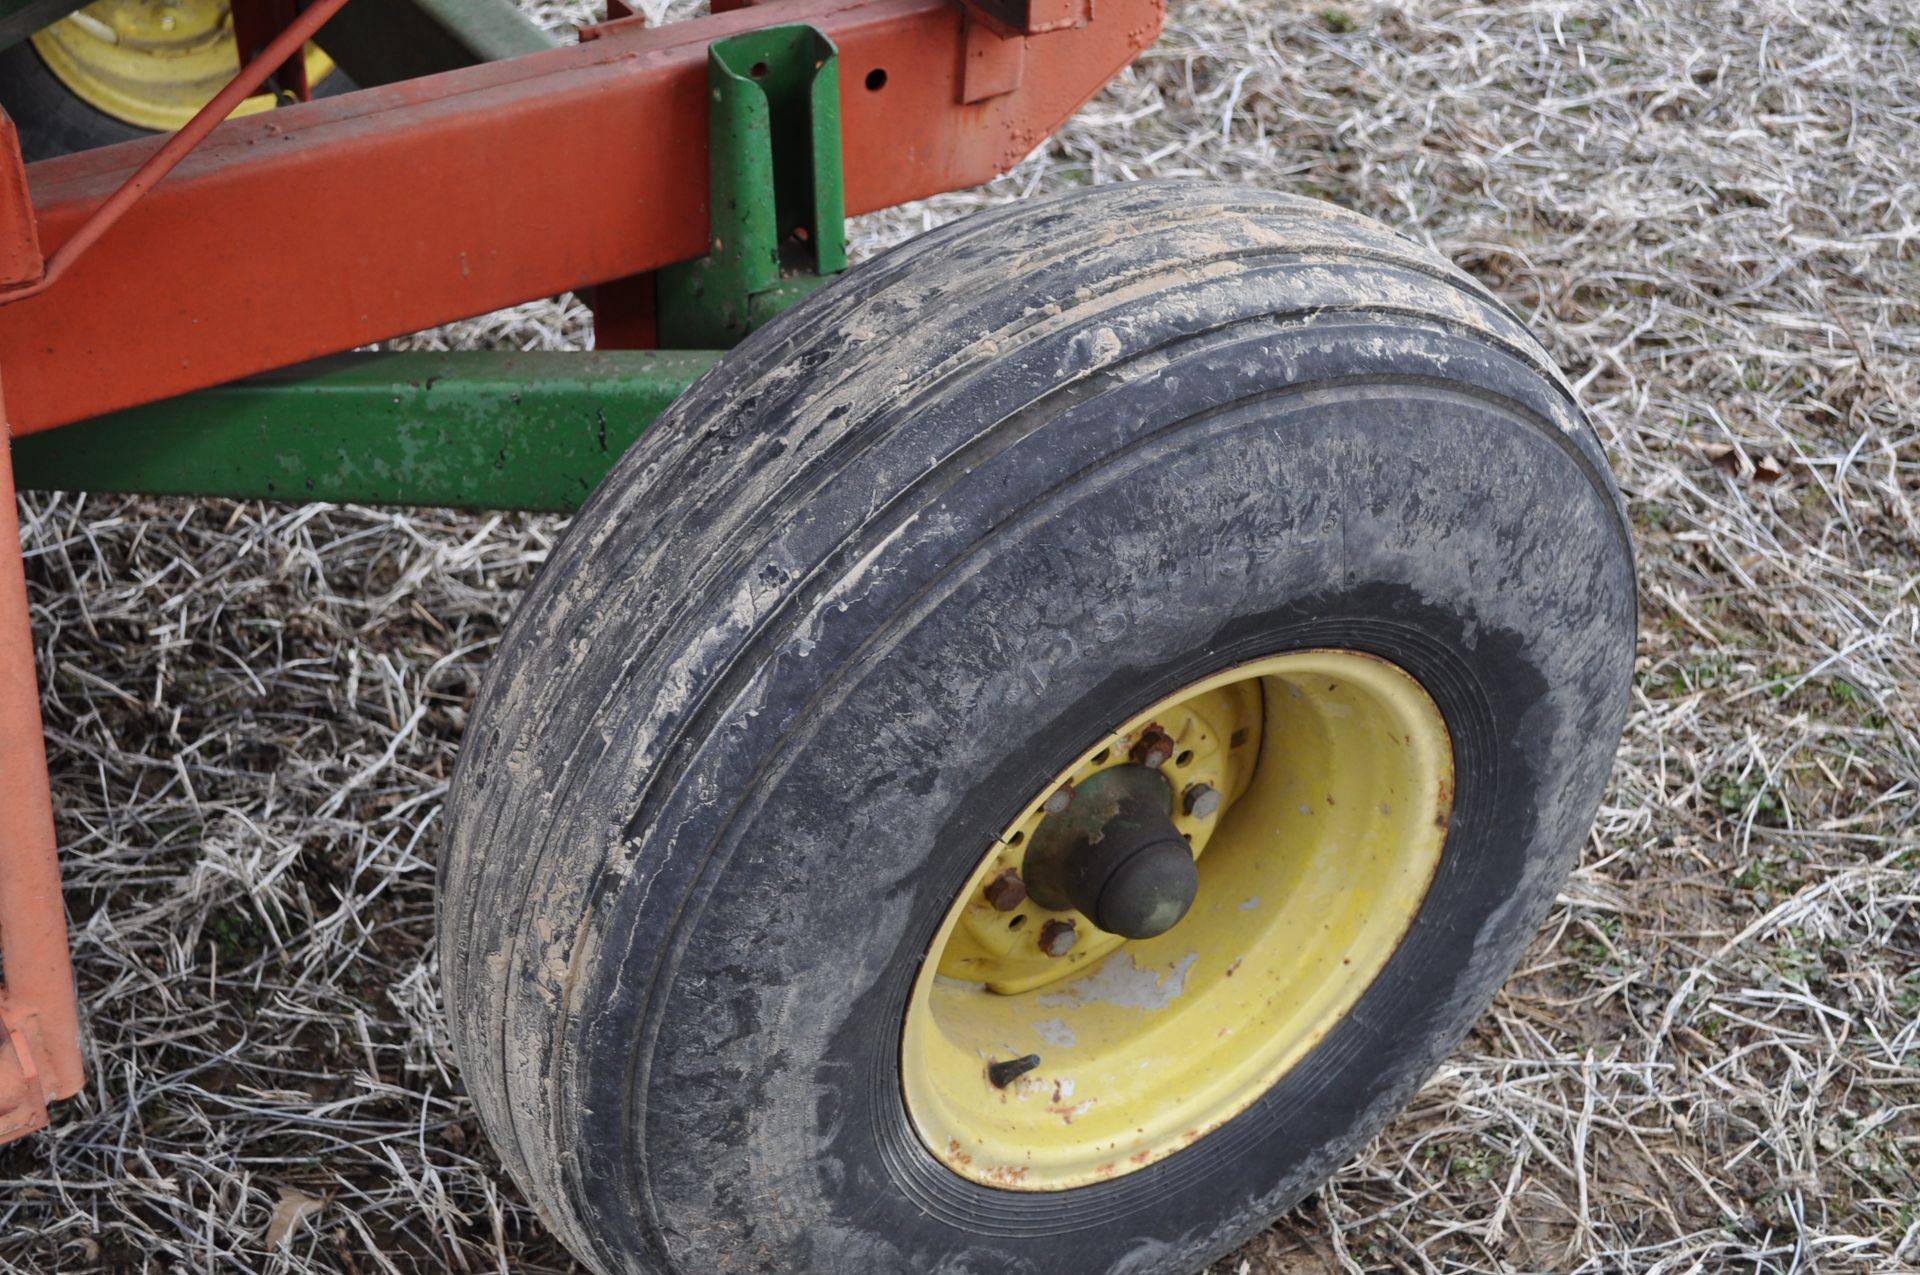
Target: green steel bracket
(466, 430)
(774, 185)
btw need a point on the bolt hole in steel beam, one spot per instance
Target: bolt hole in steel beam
(876, 79)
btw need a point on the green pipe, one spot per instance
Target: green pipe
(465, 430)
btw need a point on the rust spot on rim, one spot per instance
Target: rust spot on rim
(1154, 748)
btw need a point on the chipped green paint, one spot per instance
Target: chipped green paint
(467, 430)
(775, 188)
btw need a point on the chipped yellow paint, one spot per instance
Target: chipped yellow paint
(153, 63)
(1338, 797)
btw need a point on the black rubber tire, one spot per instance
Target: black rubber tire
(888, 568)
(52, 121)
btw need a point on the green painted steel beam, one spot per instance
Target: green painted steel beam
(466, 430)
(385, 41)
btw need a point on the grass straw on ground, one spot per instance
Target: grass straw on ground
(1710, 1060)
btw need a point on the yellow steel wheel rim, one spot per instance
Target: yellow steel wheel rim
(153, 63)
(1337, 776)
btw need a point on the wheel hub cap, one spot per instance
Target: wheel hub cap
(1115, 855)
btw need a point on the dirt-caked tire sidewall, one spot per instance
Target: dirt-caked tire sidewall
(777, 1078)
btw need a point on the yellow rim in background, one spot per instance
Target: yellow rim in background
(1336, 774)
(153, 63)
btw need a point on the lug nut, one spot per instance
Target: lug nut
(1058, 937)
(1203, 801)
(1006, 891)
(1059, 801)
(1155, 748)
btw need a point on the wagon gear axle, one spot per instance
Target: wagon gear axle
(1116, 856)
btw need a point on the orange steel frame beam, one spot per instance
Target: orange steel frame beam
(39, 1022)
(332, 224)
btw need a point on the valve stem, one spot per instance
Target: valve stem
(1005, 1073)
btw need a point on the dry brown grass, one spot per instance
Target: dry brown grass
(1711, 1061)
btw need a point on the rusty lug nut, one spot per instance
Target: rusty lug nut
(1203, 801)
(1058, 937)
(1059, 801)
(1007, 891)
(1005, 1073)
(1155, 748)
